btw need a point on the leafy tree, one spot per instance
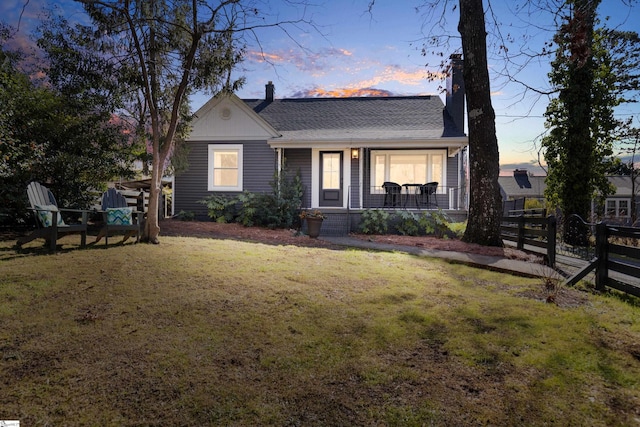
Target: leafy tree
(569, 147)
(168, 49)
(58, 131)
(19, 156)
(594, 70)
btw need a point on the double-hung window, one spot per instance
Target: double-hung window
(617, 208)
(225, 167)
(408, 167)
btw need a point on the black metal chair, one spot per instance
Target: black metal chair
(427, 193)
(392, 193)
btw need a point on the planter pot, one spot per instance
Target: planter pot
(313, 227)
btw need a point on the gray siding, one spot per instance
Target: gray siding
(354, 191)
(452, 171)
(299, 159)
(191, 185)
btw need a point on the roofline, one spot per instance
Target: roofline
(232, 97)
(457, 142)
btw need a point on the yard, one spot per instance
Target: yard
(223, 331)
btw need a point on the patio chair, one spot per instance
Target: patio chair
(49, 221)
(428, 194)
(392, 193)
(118, 216)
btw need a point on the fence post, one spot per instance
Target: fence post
(520, 244)
(602, 255)
(552, 225)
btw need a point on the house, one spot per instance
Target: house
(616, 208)
(520, 186)
(344, 148)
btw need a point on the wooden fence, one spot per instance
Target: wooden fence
(137, 199)
(536, 231)
(626, 260)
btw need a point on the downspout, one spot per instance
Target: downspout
(360, 177)
(279, 154)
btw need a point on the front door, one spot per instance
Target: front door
(331, 177)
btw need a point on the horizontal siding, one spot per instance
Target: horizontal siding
(354, 189)
(191, 185)
(452, 171)
(299, 159)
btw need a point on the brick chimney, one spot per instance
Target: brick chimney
(455, 92)
(270, 90)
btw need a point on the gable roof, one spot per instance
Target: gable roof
(358, 119)
(226, 117)
(522, 185)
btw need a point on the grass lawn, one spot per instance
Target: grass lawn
(197, 332)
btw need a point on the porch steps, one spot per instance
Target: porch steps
(335, 224)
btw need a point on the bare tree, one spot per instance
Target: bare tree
(485, 206)
(168, 49)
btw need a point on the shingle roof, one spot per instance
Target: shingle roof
(411, 117)
(528, 186)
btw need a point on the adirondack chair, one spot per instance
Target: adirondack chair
(118, 216)
(49, 221)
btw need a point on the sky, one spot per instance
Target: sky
(354, 51)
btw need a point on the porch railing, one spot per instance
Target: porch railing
(446, 197)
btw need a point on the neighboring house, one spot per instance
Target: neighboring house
(616, 209)
(344, 148)
(515, 188)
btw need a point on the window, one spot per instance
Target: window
(225, 167)
(408, 167)
(331, 171)
(617, 208)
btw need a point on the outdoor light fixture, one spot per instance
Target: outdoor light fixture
(354, 153)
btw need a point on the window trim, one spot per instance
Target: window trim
(617, 201)
(211, 150)
(386, 153)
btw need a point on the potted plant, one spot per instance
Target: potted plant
(314, 220)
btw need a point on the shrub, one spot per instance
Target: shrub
(436, 223)
(220, 208)
(251, 209)
(186, 215)
(407, 223)
(279, 209)
(458, 228)
(374, 221)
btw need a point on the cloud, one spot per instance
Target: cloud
(316, 62)
(341, 93)
(394, 73)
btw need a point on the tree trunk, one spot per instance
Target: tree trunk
(485, 205)
(152, 225)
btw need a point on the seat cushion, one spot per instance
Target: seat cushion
(119, 216)
(46, 216)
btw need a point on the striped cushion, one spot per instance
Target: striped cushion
(45, 215)
(119, 216)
